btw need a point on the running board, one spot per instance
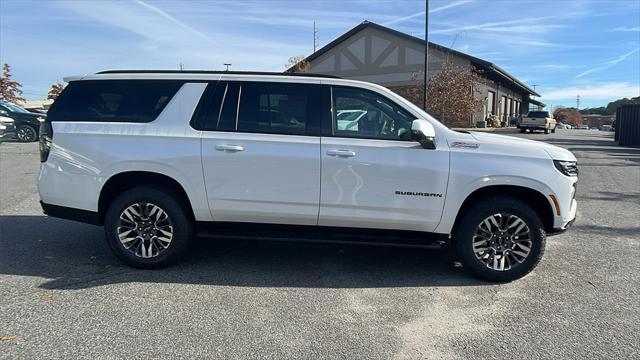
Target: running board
(319, 234)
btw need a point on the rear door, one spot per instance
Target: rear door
(261, 151)
(373, 175)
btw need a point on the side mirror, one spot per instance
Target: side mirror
(423, 132)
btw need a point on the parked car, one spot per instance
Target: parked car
(7, 127)
(27, 123)
(538, 121)
(583, 127)
(244, 155)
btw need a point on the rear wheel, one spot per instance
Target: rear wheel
(26, 133)
(500, 239)
(546, 131)
(146, 227)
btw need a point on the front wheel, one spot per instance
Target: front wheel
(546, 131)
(523, 130)
(500, 239)
(146, 227)
(26, 133)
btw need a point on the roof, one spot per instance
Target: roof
(215, 72)
(479, 63)
(537, 103)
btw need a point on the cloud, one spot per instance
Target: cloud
(494, 24)
(421, 13)
(608, 64)
(591, 92)
(625, 29)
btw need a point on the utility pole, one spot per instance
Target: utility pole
(578, 102)
(181, 66)
(315, 36)
(426, 50)
(227, 65)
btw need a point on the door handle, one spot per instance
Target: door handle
(230, 148)
(341, 153)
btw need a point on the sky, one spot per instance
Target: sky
(564, 47)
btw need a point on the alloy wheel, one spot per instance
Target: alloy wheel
(145, 230)
(26, 134)
(502, 241)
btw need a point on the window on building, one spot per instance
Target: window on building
(491, 98)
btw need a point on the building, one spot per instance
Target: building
(374, 53)
(597, 120)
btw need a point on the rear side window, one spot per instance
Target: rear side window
(260, 107)
(136, 101)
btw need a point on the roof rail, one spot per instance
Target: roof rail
(215, 72)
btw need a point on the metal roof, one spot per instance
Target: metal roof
(479, 63)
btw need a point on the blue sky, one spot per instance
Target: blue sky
(566, 47)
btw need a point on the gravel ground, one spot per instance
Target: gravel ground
(63, 295)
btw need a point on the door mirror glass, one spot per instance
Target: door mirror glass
(423, 132)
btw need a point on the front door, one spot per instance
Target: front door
(373, 175)
(260, 153)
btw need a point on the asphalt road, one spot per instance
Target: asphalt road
(63, 295)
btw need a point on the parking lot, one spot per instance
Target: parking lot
(63, 295)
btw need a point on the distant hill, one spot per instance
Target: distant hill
(611, 107)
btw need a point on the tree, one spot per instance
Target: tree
(569, 116)
(55, 90)
(452, 94)
(10, 90)
(297, 64)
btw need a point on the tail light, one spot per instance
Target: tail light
(46, 136)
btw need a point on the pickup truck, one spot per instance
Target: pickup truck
(538, 120)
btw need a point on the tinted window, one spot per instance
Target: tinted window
(539, 114)
(365, 114)
(275, 108)
(113, 100)
(209, 108)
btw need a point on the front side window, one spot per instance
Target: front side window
(136, 101)
(365, 114)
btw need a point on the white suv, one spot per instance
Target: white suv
(158, 156)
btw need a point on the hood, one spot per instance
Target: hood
(27, 116)
(510, 145)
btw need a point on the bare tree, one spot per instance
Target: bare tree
(10, 90)
(453, 93)
(569, 116)
(298, 64)
(55, 90)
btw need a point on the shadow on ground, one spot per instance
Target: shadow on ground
(74, 256)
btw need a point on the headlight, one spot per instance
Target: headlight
(41, 119)
(6, 120)
(568, 168)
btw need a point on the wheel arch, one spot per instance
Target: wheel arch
(121, 182)
(537, 200)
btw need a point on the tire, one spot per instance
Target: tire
(546, 131)
(553, 131)
(26, 133)
(523, 130)
(515, 266)
(148, 253)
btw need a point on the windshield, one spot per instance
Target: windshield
(14, 108)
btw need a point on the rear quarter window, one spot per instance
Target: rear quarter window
(136, 101)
